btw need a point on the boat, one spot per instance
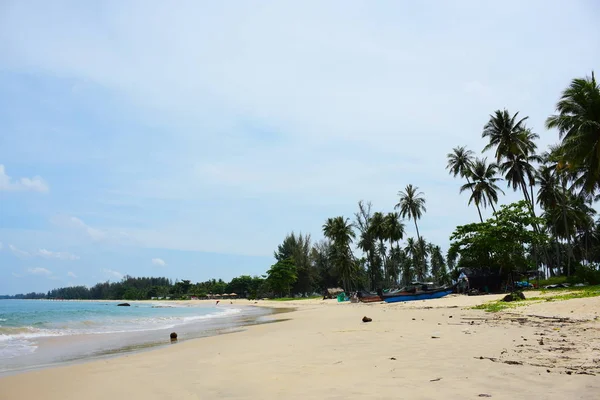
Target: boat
(368, 297)
(417, 291)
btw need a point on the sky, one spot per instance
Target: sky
(186, 139)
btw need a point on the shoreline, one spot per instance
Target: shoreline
(322, 349)
(56, 349)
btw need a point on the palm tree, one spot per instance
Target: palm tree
(550, 196)
(460, 162)
(340, 231)
(379, 232)
(412, 206)
(367, 241)
(412, 255)
(394, 229)
(483, 187)
(505, 133)
(578, 124)
(438, 264)
(515, 146)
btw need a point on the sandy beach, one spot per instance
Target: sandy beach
(416, 350)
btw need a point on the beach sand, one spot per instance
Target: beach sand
(416, 350)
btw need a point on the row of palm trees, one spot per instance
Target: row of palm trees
(567, 176)
(386, 263)
(563, 181)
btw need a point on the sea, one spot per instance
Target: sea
(40, 333)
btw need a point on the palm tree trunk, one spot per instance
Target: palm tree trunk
(422, 269)
(476, 205)
(536, 228)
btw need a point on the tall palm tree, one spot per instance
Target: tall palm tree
(340, 231)
(412, 255)
(380, 233)
(394, 229)
(515, 147)
(505, 134)
(460, 162)
(483, 187)
(578, 124)
(438, 264)
(412, 206)
(550, 196)
(367, 241)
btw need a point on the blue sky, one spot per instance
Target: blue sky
(141, 138)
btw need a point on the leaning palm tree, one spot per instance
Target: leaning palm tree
(460, 162)
(483, 187)
(340, 231)
(412, 206)
(578, 124)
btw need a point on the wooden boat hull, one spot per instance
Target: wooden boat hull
(434, 294)
(370, 299)
(367, 297)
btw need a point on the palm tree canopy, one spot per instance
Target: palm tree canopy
(549, 193)
(394, 227)
(460, 161)
(340, 230)
(411, 204)
(483, 187)
(505, 133)
(578, 124)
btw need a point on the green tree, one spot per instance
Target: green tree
(298, 247)
(578, 124)
(460, 162)
(281, 276)
(483, 187)
(367, 242)
(394, 232)
(501, 243)
(412, 206)
(339, 231)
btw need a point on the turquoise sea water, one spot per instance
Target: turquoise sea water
(38, 332)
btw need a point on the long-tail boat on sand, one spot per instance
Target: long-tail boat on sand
(417, 291)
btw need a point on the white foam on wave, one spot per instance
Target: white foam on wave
(16, 348)
(138, 325)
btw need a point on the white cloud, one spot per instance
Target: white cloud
(71, 274)
(17, 275)
(113, 274)
(60, 255)
(39, 271)
(35, 184)
(77, 224)
(159, 261)
(18, 252)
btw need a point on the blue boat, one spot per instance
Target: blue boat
(417, 292)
